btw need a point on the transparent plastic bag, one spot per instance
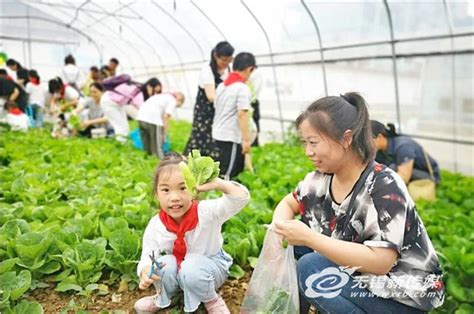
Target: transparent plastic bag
(273, 287)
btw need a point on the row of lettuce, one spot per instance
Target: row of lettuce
(73, 212)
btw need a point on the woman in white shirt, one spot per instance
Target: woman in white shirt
(211, 76)
(153, 117)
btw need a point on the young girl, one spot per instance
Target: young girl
(185, 238)
(355, 214)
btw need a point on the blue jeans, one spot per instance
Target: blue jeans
(199, 277)
(311, 264)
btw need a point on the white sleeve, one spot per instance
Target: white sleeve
(150, 243)
(225, 207)
(243, 98)
(206, 77)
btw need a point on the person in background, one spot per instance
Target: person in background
(113, 64)
(93, 117)
(230, 128)
(210, 77)
(115, 115)
(147, 90)
(153, 117)
(185, 239)
(36, 97)
(4, 74)
(72, 75)
(104, 72)
(151, 87)
(21, 73)
(63, 97)
(357, 221)
(15, 117)
(94, 76)
(402, 154)
(10, 90)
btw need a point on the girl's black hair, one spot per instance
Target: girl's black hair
(170, 159)
(153, 82)
(333, 115)
(55, 85)
(34, 74)
(379, 128)
(222, 49)
(69, 60)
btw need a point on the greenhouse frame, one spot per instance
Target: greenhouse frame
(74, 211)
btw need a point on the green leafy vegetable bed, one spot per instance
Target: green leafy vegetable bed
(72, 214)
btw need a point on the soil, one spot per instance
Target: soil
(233, 292)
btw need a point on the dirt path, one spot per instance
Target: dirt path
(233, 292)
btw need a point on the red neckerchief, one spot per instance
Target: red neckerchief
(189, 222)
(34, 81)
(234, 77)
(16, 112)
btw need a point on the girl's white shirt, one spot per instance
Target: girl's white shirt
(205, 239)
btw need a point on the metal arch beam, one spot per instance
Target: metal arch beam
(273, 67)
(59, 23)
(139, 37)
(394, 64)
(183, 28)
(76, 14)
(59, 5)
(113, 14)
(178, 55)
(209, 19)
(447, 13)
(321, 50)
(111, 30)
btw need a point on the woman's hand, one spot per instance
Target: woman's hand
(294, 231)
(145, 282)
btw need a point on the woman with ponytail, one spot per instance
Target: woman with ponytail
(403, 154)
(211, 75)
(360, 244)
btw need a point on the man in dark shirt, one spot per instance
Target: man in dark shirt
(12, 91)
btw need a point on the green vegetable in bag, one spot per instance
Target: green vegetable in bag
(198, 170)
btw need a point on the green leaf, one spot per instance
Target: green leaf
(63, 287)
(236, 271)
(8, 264)
(4, 299)
(455, 289)
(465, 308)
(253, 261)
(15, 284)
(50, 267)
(28, 307)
